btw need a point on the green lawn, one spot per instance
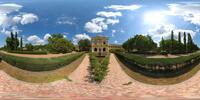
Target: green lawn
(40, 64)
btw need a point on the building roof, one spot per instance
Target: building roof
(100, 37)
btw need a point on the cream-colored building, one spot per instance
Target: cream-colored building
(100, 45)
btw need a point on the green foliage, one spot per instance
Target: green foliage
(184, 42)
(176, 47)
(84, 45)
(191, 47)
(58, 44)
(29, 52)
(29, 47)
(99, 67)
(159, 67)
(41, 64)
(21, 44)
(137, 59)
(163, 52)
(140, 43)
(12, 42)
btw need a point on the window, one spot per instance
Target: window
(95, 49)
(104, 49)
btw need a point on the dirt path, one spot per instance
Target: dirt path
(111, 87)
(116, 76)
(81, 74)
(36, 56)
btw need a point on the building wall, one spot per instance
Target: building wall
(100, 45)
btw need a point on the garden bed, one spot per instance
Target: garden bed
(159, 67)
(40, 64)
(99, 67)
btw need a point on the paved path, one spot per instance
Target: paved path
(111, 87)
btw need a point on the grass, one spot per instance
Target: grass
(40, 64)
(41, 77)
(99, 67)
(158, 81)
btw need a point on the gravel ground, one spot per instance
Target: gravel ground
(113, 87)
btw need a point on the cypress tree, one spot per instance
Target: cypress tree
(179, 37)
(172, 40)
(184, 42)
(189, 43)
(21, 43)
(12, 41)
(162, 44)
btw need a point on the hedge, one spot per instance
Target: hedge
(0, 58)
(41, 64)
(30, 52)
(99, 67)
(159, 67)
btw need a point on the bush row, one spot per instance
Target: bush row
(29, 52)
(41, 64)
(160, 67)
(0, 58)
(99, 67)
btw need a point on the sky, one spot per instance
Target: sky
(36, 20)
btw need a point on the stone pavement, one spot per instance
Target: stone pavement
(111, 88)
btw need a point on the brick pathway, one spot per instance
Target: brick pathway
(111, 87)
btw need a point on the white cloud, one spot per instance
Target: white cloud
(9, 8)
(47, 36)
(109, 14)
(9, 20)
(29, 18)
(112, 21)
(79, 37)
(116, 42)
(124, 7)
(35, 40)
(164, 31)
(66, 20)
(16, 19)
(113, 31)
(97, 25)
(189, 11)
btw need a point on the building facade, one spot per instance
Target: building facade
(100, 45)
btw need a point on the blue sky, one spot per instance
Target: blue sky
(36, 20)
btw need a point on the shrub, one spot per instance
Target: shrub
(163, 52)
(40, 64)
(29, 52)
(99, 67)
(0, 58)
(159, 67)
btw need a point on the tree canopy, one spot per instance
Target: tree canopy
(58, 44)
(140, 43)
(84, 45)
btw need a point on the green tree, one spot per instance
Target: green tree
(58, 44)
(191, 47)
(184, 42)
(172, 41)
(140, 43)
(179, 37)
(12, 42)
(84, 45)
(29, 47)
(21, 43)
